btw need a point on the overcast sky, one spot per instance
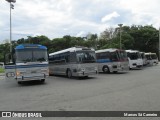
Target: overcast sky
(56, 18)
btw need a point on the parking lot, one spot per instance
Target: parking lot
(136, 90)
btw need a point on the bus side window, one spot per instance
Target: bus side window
(114, 56)
(66, 57)
(72, 57)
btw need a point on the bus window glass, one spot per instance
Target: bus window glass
(153, 56)
(31, 55)
(123, 55)
(40, 55)
(132, 56)
(86, 56)
(23, 56)
(72, 57)
(114, 56)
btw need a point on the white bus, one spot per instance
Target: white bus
(112, 60)
(1, 64)
(75, 61)
(152, 58)
(143, 58)
(28, 62)
(135, 59)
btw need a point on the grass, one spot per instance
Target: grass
(1, 70)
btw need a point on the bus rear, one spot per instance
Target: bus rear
(31, 63)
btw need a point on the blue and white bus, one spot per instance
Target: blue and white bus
(74, 61)
(112, 60)
(28, 62)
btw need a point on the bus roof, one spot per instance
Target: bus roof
(132, 51)
(142, 52)
(150, 53)
(72, 49)
(108, 50)
(26, 46)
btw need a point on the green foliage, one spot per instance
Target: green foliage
(143, 38)
(4, 48)
(1, 70)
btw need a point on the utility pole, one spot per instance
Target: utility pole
(159, 44)
(11, 7)
(120, 33)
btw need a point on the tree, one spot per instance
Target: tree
(92, 41)
(145, 37)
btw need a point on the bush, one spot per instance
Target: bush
(1, 70)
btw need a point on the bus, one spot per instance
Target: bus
(152, 58)
(74, 61)
(143, 58)
(112, 60)
(135, 59)
(27, 62)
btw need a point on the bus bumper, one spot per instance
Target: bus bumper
(122, 69)
(136, 66)
(30, 78)
(83, 74)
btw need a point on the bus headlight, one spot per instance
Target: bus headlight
(81, 69)
(95, 69)
(20, 73)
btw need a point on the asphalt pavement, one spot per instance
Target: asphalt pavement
(135, 90)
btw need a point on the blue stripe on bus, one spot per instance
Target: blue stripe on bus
(26, 66)
(103, 60)
(9, 67)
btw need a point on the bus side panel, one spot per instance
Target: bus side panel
(89, 69)
(10, 73)
(58, 69)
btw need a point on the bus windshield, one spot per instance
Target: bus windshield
(142, 55)
(153, 56)
(86, 56)
(134, 56)
(31, 55)
(123, 55)
(148, 57)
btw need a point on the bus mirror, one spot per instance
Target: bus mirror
(8, 59)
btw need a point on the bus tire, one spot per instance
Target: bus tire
(19, 82)
(115, 71)
(42, 80)
(69, 73)
(106, 69)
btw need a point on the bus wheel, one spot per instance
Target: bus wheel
(43, 80)
(115, 72)
(69, 73)
(19, 82)
(106, 69)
